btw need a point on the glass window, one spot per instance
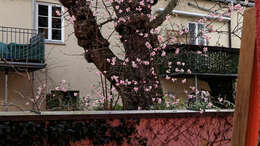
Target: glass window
(49, 21)
(196, 34)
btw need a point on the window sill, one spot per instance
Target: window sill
(54, 42)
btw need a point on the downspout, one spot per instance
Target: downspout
(229, 35)
(6, 91)
(33, 14)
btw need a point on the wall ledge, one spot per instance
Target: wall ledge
(83, 115)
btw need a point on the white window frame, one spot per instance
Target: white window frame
(50, 5)
(197, 32)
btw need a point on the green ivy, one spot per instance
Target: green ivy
(61, 133)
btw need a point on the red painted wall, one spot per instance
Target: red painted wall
(185, 131)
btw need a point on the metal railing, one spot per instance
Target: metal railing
(216, 60)
(21, 45)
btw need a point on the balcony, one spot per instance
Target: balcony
(216, 61)
(21, 49)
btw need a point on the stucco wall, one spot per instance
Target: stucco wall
(19, 92)
(16, 13)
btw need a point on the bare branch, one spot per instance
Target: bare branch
(162, 16)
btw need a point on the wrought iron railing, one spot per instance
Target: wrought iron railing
(199, 60)
(21, 45)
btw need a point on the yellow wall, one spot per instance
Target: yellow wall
(16, 13)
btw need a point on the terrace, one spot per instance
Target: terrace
(216, 61)
(21, 49)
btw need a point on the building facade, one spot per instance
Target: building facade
(65, 60)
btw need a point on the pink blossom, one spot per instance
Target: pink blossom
(205, 49)
(167, 77)
(163, 53)
(135, 89)
(190, 96)
(63, 89)
(210, 105)
(192, 88)
(201, 111)
(72, 19)
(173, 80)
(237, 7)
(148, 45)
(167, 104)
(177, 51)
(160, 38)
(134, 65)
(184, 81)
(58, 13)
(146, 62)
(159, 100)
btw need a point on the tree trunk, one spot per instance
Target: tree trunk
(136, 80)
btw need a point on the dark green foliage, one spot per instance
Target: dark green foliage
(61, 133)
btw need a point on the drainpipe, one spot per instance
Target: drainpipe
(6, 90)
(33, 14)
(196, 88)
(229, 35)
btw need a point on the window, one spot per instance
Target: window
(196, 32)
(49, 23)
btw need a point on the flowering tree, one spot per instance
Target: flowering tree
(136, 76)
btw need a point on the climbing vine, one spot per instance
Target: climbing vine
(62, 133)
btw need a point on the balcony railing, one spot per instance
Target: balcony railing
(21, 45)
(215, 61)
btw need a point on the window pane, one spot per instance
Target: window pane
(44, 31)
(54, 9)
(201, 41)
(56, 34)
(192, 27)
(56, 23)
(43, 21)
(43, 10)
(200, 29)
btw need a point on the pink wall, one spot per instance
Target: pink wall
(202, 130)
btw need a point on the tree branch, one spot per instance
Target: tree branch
(162, 16)
(89, 37)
